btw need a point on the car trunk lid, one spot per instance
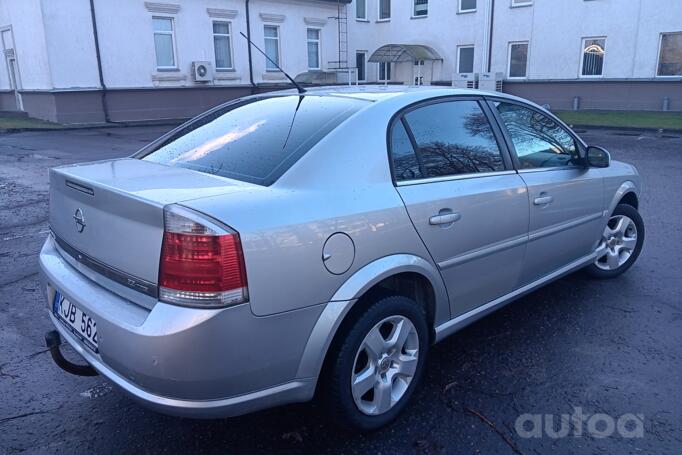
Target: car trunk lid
(110, 213)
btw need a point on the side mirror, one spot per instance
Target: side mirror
(597, 156)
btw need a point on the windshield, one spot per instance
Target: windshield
(255, 141)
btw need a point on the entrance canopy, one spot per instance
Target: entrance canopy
(396, 53)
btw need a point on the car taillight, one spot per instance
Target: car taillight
(202, 264)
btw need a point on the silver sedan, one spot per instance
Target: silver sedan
(288, 245)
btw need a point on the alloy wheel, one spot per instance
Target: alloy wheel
(618, 241)
(385, 364)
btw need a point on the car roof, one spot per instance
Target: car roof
(379, 92)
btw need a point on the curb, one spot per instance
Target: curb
(627, 128)
(90, 126)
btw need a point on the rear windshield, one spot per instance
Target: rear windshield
(257, 140)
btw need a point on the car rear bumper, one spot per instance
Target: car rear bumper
(187, 361)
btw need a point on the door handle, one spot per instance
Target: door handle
(544, 199)
(446, 218)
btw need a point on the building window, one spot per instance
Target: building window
(515, 3)
(222, 45)
(384, 71)
(518, 60)
(164, 42)
(465, 59)
(670, 55)
(384, 10)
(421, 8)
(361, 65)
(314, 49)
(361, 9)
(271, 47)
(592, 63)
(467, 6)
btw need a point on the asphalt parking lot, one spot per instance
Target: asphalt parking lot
(605, 347)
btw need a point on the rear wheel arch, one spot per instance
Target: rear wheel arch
(412, 285)
(409, 276)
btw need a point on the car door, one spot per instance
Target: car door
(467, 203)
(565, 196)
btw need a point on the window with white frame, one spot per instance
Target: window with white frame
(384, 71)
(384, 10)
(421, 8)
(515, 3)
(465, 59)
(314, 49)
(670, 55)
(164, 42)
(466, 6)
(361, 65)
(271, 35)
(361, 9)
(518, 60)
(593, 52)
(222, 45)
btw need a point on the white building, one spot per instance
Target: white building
(75, 61)
(611, 54)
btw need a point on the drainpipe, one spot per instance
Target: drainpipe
(490, 34)
(248, 35)
(105, 108)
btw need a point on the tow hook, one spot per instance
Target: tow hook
(53, 341)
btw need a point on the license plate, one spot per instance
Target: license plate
(76, 320)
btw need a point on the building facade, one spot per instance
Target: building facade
(599, 54)
(89, 61)
(142, 62)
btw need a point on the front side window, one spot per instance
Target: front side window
(314, 49)
(361, 9)
(271, 47)
(538, 140)
(384, 9)
(405, 163)
(454, 138)
(670, 55)
(256, 140)
(164, 42)
(222, 45)
(594, 50)
(465, 59)
(384, 71)
(467, 6)
(518, 59)
(421, 8)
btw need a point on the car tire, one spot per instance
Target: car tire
(389, 368)
(623, 238)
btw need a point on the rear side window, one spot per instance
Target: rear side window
(453, 138)
(256, 141)
(405, 163)
(538, 140)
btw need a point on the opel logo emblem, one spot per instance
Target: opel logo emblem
(80, 220)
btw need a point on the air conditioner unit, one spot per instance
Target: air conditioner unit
(465, 80)
(490, 81)
(202, 72)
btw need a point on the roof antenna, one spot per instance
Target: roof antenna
(298, 87)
